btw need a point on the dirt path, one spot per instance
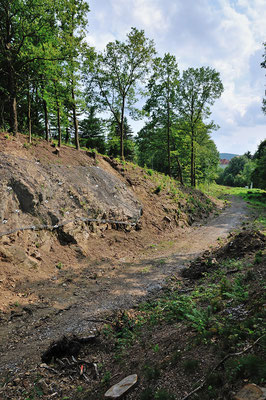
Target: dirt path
(87, 298)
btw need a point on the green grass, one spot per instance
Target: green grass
(256, 199)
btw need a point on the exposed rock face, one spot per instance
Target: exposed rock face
(16, 255)
(33, 194)
(24, 196)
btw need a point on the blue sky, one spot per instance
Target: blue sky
(224, 34)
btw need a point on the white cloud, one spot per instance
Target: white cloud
(239, 140)
(100, 40)
(150, 15)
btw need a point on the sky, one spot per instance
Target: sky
(227, 35)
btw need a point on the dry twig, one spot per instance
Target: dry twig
(220, 363)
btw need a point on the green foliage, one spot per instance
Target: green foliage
(215, 379)
(237, 173)
(199, 88)
(259, 173)
(92, 131)
(243, 170)
(163, 394)
(190, 366)
(247, 367)
(113, 83)
(151, 372)
(27, 146)
(158, 189)
(161, 104)
(176, 357)
(59, 265)
(258, 257)
(200, 309)
(106, 378)
(113, 140)
(147, 394)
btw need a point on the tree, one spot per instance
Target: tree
(73, 22)
(113, 140)
(25, 28)
(263, 65)
(238, 172)
(41, 48)
(92, 131)
(117, 74)
(163, 89)
(151, 148)
(199, 87)
(259, 174)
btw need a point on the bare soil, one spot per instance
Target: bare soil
(71, 299)
(50, 289)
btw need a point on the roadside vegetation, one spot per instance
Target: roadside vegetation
(201, 337)
(255, 199)
(204, 337)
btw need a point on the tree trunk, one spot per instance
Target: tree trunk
(168, 139)
(45, 111)
(180, 171)
(46, 120)
(14, 118)
(58, 116)
(3, 125)
(67, 134)
(58, 124)
(12, 87)
(122, 131)
(13, 101)
(75, 120)
(192, 161)
(29, 112)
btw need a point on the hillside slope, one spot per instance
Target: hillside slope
(60, 210)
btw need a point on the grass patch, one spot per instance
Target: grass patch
(256, 199)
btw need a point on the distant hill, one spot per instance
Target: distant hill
(227, 156)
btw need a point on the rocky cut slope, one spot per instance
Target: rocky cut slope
(62, 197)
(62, 209)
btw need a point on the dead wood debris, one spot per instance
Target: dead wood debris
(66, 347)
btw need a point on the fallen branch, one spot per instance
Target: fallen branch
(220, 363)
(49, 368)
(75, 366)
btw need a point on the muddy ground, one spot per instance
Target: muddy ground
(77, 302)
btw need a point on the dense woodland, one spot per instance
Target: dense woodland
(55, 85)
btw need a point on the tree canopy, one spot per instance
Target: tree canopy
(117, 75)
(53, 84)
(199, 88)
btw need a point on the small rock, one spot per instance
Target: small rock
(251, 392)
(116, 391)
(36, 255)
(167, 219)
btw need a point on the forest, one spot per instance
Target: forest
(53, 84)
